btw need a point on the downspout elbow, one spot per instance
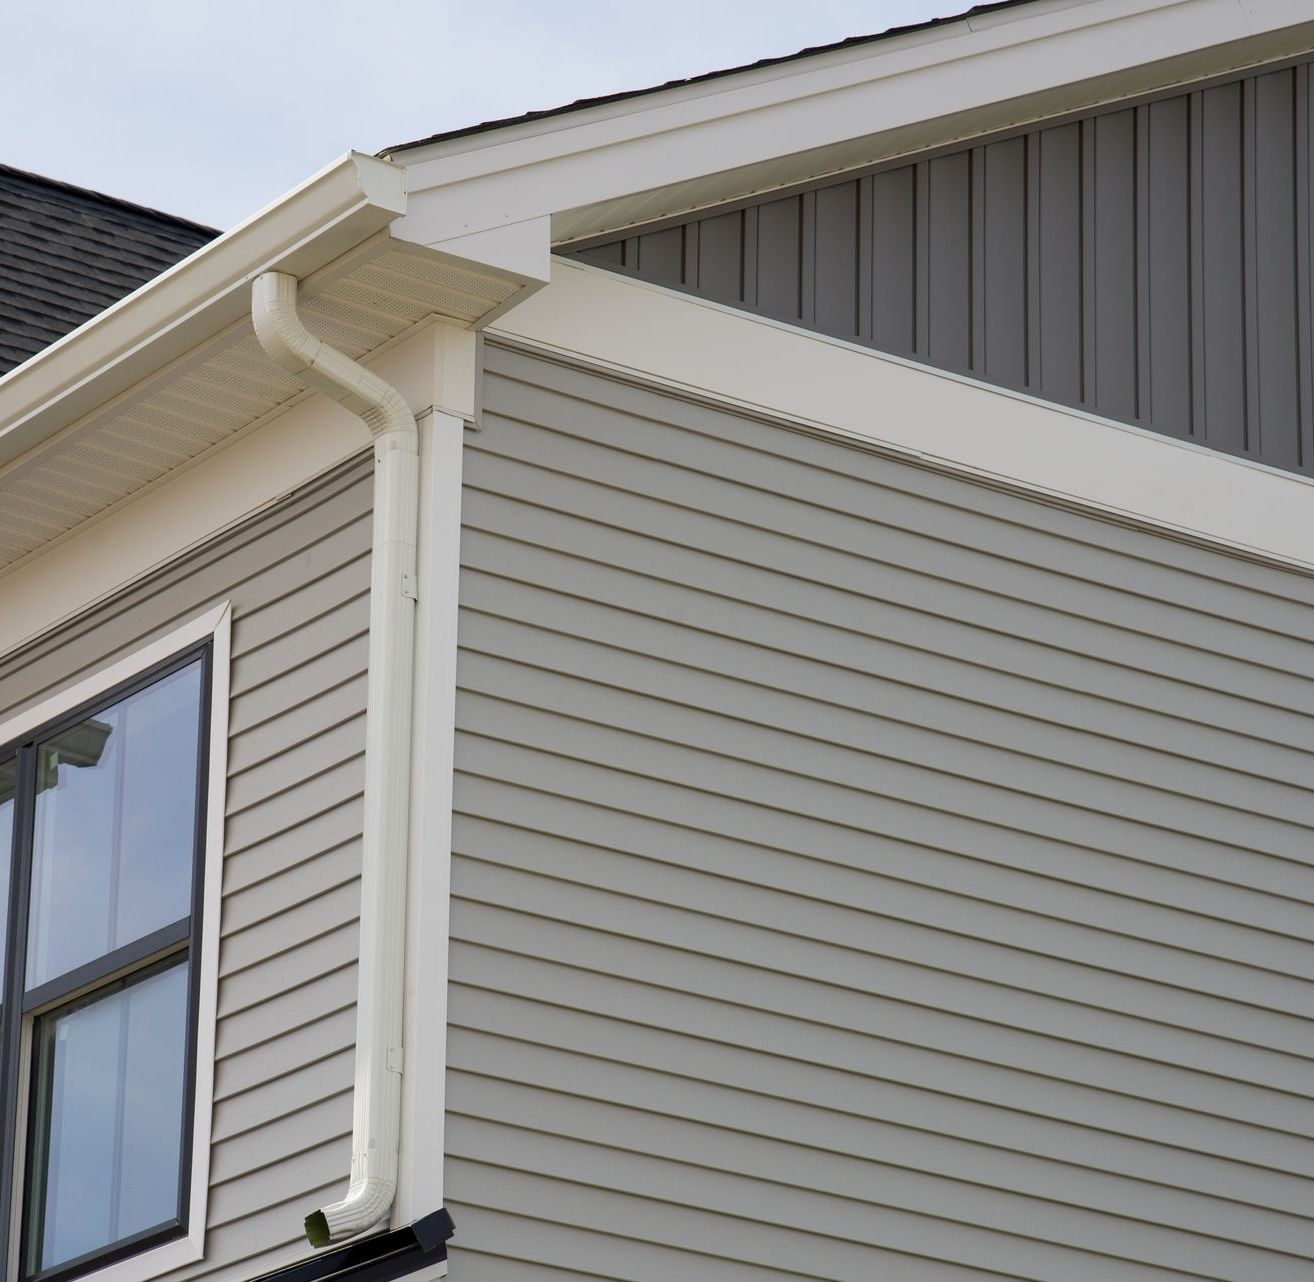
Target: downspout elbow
(367, 1201)
(291, 346)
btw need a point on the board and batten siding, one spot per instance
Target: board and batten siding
(1151, 263)
(298, 580)
(864, 873)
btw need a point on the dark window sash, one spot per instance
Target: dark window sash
(157, 1235)
(131, 957)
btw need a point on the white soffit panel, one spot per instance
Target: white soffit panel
(226, 386)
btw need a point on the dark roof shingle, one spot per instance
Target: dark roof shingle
(67, 253)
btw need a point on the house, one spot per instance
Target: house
(826, 551)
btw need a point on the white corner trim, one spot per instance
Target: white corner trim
(760, 366)
(455, 389)
(214, 625)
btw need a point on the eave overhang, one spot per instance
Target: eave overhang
(173, 371)
(599, 169)
(463, 230)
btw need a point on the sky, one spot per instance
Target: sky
(210, 109)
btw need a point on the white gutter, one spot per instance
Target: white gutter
(195, 300)
(377, 1106)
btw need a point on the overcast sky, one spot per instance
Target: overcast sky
(212, 108)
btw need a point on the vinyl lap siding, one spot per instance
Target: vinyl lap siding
(861, 873)
(298, 580)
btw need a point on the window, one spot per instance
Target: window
(103, 831)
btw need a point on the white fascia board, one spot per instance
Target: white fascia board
(315, 223)
(750, 364)
(651, 156)
(521, 250)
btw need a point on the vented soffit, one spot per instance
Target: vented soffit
(193, 404)
(999, 117)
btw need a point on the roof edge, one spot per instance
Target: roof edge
(604, 100)
(118, 202)
(698, 145)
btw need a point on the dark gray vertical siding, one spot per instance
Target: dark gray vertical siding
(1166, 287)
(720, 262)
(1151, 263)
(1222, 269)
(661, 254)
(862, 874)
(1112, 289)
(893, 260)
(835, 286)
(778, 259)
(1004, 265)
(949, 260)
(1058, 180)
(1276, 402)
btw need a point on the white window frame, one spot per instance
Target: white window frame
(214, 626)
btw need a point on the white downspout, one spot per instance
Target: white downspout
(377, 1106)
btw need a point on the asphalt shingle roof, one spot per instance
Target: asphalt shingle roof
(67, 253)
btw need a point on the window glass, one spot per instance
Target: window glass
(109, 1095)
(115, 827)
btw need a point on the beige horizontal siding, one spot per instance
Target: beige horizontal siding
(298, 578)
(864, 873)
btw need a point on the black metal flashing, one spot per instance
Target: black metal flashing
(67, 253)
(582, 104)
(376, 1259)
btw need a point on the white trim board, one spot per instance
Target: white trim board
(214, 625)
(424, 1083)
(760, 366)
